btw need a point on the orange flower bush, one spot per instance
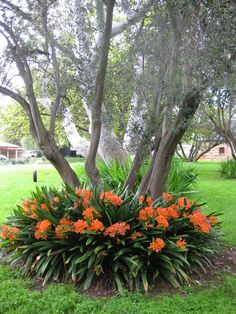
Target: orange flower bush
(82, 234)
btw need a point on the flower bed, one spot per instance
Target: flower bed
(83, 235)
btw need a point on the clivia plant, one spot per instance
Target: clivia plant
(83, 234)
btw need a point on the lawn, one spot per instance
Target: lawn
(18, 296)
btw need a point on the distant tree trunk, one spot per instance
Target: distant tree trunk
(109, 146)
(90, 164)
(169, 143)
(44, 140)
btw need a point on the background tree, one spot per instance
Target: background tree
(33, 53)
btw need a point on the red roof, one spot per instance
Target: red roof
(10, 146)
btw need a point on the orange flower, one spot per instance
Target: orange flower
(167, 197)
(149, 201)
(56, 199)
(91, 213)
(41, 229)
(181, 201)
(59, 232)
(146, 213)
(136, 235)
(162, 222)
(65, 221)
(25, 204)
(66, 225)
(184, 202)
(43, 225)
(80, 226)
(29, 207)
(172, 212)
(85, 195)
(200, 221)
(181, 243)
(12, 233)
(157, 245)
(5, 231)
(162, 211)
(141, 199)
(213, 220)
(109, 197)
(44, 206)
(149, 226)
(96, 226)
(119, 228)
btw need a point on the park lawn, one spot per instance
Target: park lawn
(18, 296)
(219, 195)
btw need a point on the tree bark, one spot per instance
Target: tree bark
(90, 164)
(169, 143)
(45, 142)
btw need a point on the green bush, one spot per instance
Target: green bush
(85, 235)
(182, 177)
(228, 169)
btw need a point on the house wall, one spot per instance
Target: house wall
(220, 152)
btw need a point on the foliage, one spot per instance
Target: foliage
(182, 177)
(228, 169)
(83, 234)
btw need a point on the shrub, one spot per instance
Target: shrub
(182, 177)
(228, 169)
(83, 235)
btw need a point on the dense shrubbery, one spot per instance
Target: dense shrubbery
(182, 176)
(228, 169)
(83, 235)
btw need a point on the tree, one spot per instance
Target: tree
(201, 137)
(32, 54)
(222, 114)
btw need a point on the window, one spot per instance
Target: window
(221, 150)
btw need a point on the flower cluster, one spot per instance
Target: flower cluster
(157, 245)
(9, 233)
(41, 229)
(66, 225)
(109, 197)
(84, 197)
(200, 221)
(119, 228)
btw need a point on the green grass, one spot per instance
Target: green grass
(220, 196)
(17, 296)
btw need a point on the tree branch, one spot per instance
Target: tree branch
(121, 27)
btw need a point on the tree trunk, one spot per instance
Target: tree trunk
(143, 188)
(109, 146)
(90, 164)
(53, 154)
(169, 143)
